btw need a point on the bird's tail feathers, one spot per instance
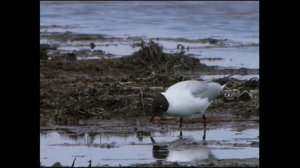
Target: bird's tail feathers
(224, 86)
(222, 81)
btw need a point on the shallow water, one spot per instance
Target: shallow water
(245, 57)
(114, 148)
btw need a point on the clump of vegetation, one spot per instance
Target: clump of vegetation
(119, 87)
(151, 56)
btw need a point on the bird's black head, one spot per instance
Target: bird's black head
(159, 106)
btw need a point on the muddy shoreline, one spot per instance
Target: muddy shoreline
(124, 87)
(80, 96)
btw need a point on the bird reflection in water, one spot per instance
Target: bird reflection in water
(180, 151)
(159, 151)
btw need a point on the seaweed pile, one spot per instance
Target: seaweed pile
(72, 89)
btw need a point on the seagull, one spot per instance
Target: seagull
(187, 98)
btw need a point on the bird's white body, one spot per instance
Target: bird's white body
(191, 97)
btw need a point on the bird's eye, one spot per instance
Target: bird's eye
(160, 106)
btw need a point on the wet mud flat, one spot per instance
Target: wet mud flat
(101, 107)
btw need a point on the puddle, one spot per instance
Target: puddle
(124, 148)
(239, 77)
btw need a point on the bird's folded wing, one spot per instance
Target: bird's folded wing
(203, 90)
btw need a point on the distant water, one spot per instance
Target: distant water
(237, 21)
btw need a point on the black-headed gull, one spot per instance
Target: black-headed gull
(186, 98)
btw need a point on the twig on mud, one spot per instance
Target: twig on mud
(73, 162)
(90, 163)
(142, 97)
